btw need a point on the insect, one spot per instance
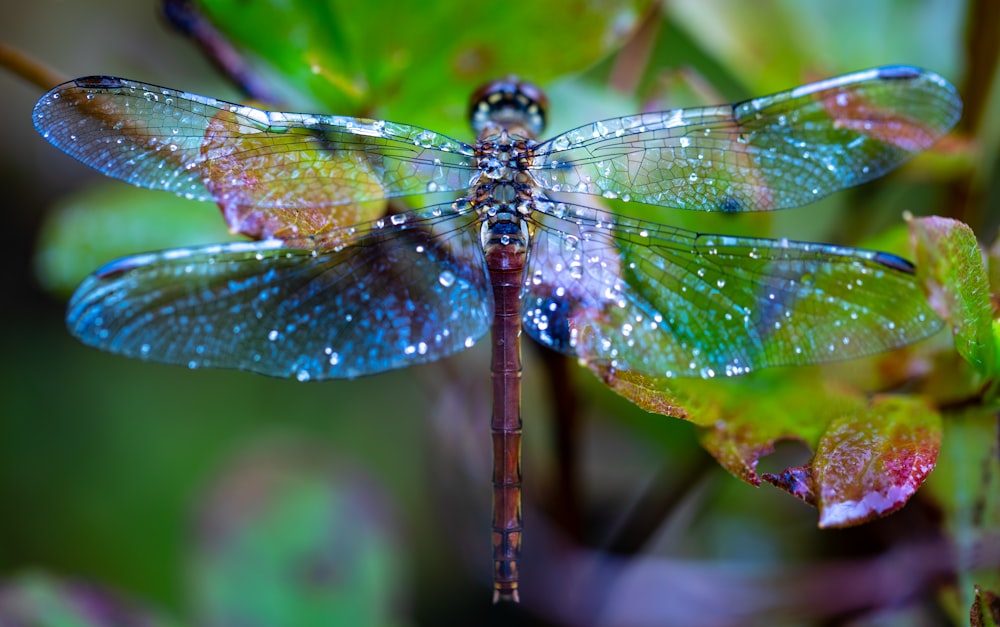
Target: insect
(336, 284)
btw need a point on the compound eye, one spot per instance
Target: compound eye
(509, 103)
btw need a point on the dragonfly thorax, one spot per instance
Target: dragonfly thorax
(508, 104)
(503, 205)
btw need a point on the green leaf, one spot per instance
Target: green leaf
(966, 489)
(777, 43)
(290, 538)
(425, 56)
(951, 267)
(109, 220)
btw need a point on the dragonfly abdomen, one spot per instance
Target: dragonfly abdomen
(505, 246)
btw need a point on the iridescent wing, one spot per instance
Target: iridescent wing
(666, 302)
(266, 169)
(774, 152)
(405, 290)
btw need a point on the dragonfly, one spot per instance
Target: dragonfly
(336, 282)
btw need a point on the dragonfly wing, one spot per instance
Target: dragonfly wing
(663, 301)
(410, 290)
(774, 152)
(260, 166)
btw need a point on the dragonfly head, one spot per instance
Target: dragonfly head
(511, 104)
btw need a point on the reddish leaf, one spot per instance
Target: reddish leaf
(743, 417)
(738, 449)
(988, 600)
(795, 405)
(301, 206)
(869, 463)
(649, 393)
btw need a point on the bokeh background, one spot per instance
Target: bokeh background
(110, 468)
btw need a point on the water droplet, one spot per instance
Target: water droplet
(425, 139)
(446, 278)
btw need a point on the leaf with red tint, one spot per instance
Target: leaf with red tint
(783, 406)
(985, 603)
(738, 446)
(647, 392)
(743, 418)
(951, 266)
(870, 462)
(283, 193)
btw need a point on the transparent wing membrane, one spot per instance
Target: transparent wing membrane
(663, 301)
(774, 152)
(339, 288)
(403, 292)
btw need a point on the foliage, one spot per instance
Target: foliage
(875, 428)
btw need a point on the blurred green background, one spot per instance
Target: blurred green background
(105, 462)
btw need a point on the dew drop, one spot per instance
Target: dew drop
(446, 278)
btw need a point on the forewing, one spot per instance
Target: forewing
(663, 301)
(409, 290)
(774, 152)
(270, 172)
